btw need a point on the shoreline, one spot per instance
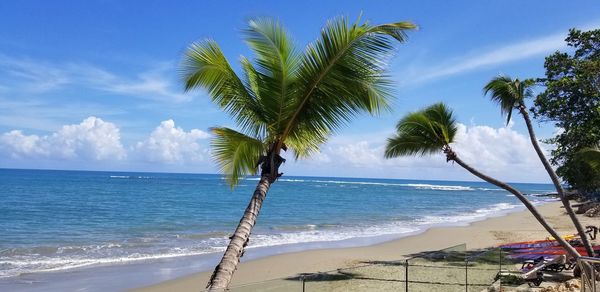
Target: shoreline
(150, 255)
(493, 230)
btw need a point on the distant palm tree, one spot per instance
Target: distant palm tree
(288, 99)
(591, 156)
(431, 130)
(510, 94)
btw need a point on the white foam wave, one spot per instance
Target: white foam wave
(332, 235)
(128, 176)
(467, 217)
(411, 185)
(30, 264)
(70, 257)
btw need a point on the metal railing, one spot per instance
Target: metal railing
(452, 269)
(590, 269)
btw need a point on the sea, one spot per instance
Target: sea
(99, 231)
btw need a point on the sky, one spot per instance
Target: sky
(94, 85)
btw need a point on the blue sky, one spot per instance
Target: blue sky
(94, 84)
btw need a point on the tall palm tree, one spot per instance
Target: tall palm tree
(433, 129)
(288, 99)
(510, 94)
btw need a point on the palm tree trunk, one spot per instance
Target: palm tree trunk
(219, 281)
(556, 182)
(532, 209)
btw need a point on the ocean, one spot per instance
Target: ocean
(56, 223)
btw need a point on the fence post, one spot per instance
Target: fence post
(500, 270)
(466, 273)
(302, 278)
(406, 274)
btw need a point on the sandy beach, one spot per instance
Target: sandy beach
(517, 226)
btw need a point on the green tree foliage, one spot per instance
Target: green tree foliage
(289, 98)
(433, 129)
(572, 102)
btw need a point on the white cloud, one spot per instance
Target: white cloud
(96, 140)
(92, 139)
(173, 145)
(154, 84)
(159, 83)
(501, 55)
(482, 57)
(38, 75)
(500, 152)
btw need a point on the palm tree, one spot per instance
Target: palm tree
(511, 94)
(591, 156)
(288, 99)
(431, 130)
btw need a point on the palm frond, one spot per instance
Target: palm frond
(276, 63)
(591, 156)
(423, 132)
(236, 154)
(343, 74)
(508, 93)
(205, 66)
(291, 98)
(304, 143)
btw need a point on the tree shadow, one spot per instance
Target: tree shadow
(339, 275)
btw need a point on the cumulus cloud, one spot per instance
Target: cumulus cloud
(92, 139)
(172, 145)
(96, 140)
(500, 152)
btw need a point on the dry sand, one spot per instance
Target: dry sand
(518, 226)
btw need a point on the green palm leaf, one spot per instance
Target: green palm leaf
(509, 93)
(205, 66)
(277, 64)
(423, 132)
(236, 154)
(288, 98)
(342, 74)
(591, 156)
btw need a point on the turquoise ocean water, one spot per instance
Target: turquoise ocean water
(53, 223)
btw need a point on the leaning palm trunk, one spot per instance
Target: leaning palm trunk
(451, 156)
(556, 182)
(223, 273)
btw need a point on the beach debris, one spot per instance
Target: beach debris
(568, 286)
(593, 211)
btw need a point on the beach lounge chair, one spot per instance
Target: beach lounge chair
(533, 272)
(556, 264)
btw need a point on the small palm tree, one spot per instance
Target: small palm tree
(433, 129)
(288, 99)
(591, 156)
(510, 94)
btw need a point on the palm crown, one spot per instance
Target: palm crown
(591, 156)
(427, 131)
(291, 99)
(509, 93)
